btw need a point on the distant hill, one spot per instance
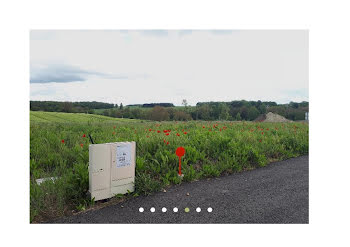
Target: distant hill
(47, 117)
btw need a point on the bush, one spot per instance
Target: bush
(182, 116)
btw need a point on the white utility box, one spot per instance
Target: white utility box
(111, 169)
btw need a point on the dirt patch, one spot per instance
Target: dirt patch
(271, 118)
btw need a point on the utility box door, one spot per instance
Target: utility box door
(123, 160)
(111, 169)
(99, 166)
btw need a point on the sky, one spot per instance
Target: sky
(151, 66)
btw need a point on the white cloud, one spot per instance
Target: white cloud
(167, 67)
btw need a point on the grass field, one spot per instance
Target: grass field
(59, 148)
(61, 117)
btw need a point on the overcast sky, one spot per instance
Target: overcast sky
(136, 67)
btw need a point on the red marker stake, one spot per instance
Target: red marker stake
(180, 166)
(180, 151)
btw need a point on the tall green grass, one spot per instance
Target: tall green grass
(219, 148)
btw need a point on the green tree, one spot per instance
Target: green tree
(182, 116)
(262, 109)
(106, 112)
(224, 111)
(126, 112)
(159, 113)
(238, 117)
(67, 107)
(253, 113)
(244, 113)
(204, 112)
(171, 112)
(293, 105)
(135, 113)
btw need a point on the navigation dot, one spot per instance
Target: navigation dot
(141, 209)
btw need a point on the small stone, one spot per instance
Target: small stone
(164, 191)
(187, 194)
(121, 206)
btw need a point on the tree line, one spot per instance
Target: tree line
(234, 110)
(153, 105)
(72, 107)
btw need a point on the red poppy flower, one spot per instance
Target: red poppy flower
(209, 129)
(165, 131)
(220, 129)
(84, 135)
(262, 133)
(81, 145)
(267, 129)
(177, 134)
(164, 140)
(62, 141)
(150, 129)
(260, 140)
(158, 131)
(147, 136)
(183, 130)
(185, 133)
(113, 127)
(203, 127)
(167, 143)
(167, 134)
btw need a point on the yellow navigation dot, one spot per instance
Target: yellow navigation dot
(187, 210)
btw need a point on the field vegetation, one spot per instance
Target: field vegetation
(59, 148)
